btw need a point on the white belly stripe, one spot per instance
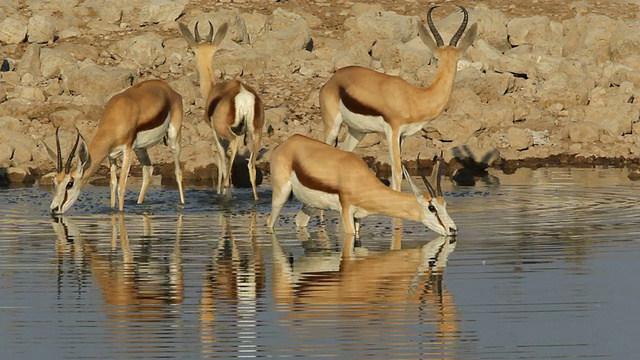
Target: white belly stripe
(369, 124)
(148, 138)
(362, 123)
(314, 198)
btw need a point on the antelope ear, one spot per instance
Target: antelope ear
(83, 154)
(50, 151)
(426, 38)
(220, 34)
(414, 188)
(184, 29)
(469, 37)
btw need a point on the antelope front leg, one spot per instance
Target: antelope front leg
(113, 180)
(124, 174)
(280, 195)
(348, 222)
(393, 138)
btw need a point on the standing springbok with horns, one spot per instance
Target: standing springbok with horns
(133, 121)
(324, 177)
(368, 101)
(234, 110)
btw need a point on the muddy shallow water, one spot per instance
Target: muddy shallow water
(544, 267)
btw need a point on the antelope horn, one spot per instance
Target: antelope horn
(196, 33)
(438, 171)
(463, 26)
(432, 193)
(67, 168)
(432, 26)
(210, 36)
(59, 165)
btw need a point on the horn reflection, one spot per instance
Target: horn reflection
(139, 278)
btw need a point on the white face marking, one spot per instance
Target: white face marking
(438, 220)
(148, 138)
(314, 198)
(66, 193)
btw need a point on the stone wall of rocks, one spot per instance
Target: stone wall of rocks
(527, 88)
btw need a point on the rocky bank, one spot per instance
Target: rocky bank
(530, 91)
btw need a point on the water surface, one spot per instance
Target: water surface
(544, 267)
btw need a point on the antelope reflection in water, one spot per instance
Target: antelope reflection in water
(233, 282)
(356, 285)
(137, 285)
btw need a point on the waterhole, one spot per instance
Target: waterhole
(544, 267)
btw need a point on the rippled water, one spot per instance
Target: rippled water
(544, 267)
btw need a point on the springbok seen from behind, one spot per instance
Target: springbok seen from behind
(234, 110)
(133, 121)
(324, 177)
(368, 101)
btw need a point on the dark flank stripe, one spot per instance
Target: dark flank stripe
(356, 106)
(157, 120)
(309, 181)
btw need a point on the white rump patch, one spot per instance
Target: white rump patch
(245, 105)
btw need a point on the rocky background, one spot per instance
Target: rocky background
(545, 83)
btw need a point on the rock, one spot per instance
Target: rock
(17, 175)
(6, 153)
(519, 139)
(57, 61)
(40, 29)
(161, 11)
(13, 30)
(533, 30)
(373, 26)
(30, 62)
(98, 83)
(143, 51)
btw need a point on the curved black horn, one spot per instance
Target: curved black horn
(59, 165)
(67, 168)
(424, 178)
(196, 33)
(438, 175)
(432, 26)
(463, 26)
(210, 36)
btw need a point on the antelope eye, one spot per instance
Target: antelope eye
(69, 184)
(432, 208)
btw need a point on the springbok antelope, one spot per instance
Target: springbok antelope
(324, 177)
(133, 121)
(368, 101)
(233, 110)
(347, 280)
